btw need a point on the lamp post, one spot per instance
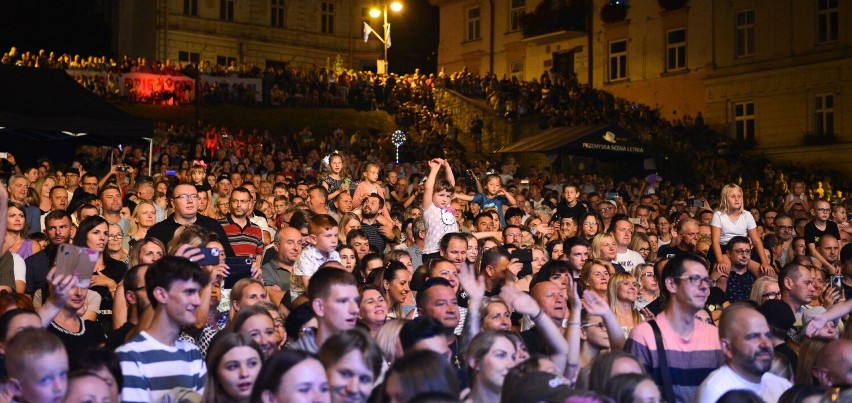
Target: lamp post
(375, 12)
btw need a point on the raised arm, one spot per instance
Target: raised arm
(596, 306)
(525, 304)
(434, 167)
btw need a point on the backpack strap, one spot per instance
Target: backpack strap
(665, 375)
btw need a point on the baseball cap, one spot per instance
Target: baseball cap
(223, 177)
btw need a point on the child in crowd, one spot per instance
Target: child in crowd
(370, 184)
(37, 365)
(438, 216)
(730, 220)
(321, 248)
(495, 197)
(336, 181)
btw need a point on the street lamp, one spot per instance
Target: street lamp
(395, 6)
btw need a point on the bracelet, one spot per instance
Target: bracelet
(540, 311)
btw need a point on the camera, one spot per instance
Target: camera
(122, 168)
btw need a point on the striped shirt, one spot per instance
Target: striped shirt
(152, 369)
(246, 241)
(690, 360)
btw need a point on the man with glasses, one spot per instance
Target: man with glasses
(691, 346)
(738, 281)
(512, 236)
(814, 230)
(784, 232)
(184, 198)
(89, 183)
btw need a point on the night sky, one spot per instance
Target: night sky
(80, 27)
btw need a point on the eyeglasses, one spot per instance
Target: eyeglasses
(742, 251)
(697, 280)
(186, 197)
(823, 210)
(647, 274)
(771, 295)
(600, 325)
(644, 250)
(606, 208)
(116, 236)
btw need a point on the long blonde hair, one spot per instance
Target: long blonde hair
(612, 293)
(723, 203)
(597, 245)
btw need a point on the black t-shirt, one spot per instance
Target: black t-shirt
(666, 250)
(566, 211)
(812, 233)
(90, 337)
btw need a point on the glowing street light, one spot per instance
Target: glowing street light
(395, 6)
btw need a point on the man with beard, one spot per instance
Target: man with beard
(245, 237)
(747, 345)
(110, 197)
(687, 231)
(57, 227)
(379, 231)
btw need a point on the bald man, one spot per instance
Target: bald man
(833, 365)
(277, 272)
(747, 346)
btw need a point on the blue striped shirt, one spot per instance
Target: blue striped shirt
(152, 369)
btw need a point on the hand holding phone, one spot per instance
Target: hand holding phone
(71, 260)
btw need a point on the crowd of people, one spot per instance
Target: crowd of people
(248, 267)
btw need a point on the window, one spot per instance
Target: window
(225, 60)
(618, 60)
(277, 13)
(744, 120)
(826, 21)
(515, 14)
(676, 50)
(327, 21)
(824, 115)
(473, 21)
(190, 8)
(184, 57)
(745, 33)
(226, 10)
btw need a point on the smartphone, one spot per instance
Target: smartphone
(211, 257)
(611, 195)
(837, 282)
(171, 172)
(670, 256)
(524, 257)
(525, 181)
(696, 203)
(71, 259)
(238, 269)
(635, 221)
(4, 155)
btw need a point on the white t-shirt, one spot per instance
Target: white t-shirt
(629, 260)
(438, 222)
(730, 229)
(724, 379)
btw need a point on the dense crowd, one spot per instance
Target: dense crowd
(249, 266)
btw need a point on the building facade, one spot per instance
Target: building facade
(782, 70)
(305, 33)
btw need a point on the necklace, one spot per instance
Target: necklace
(66, 331)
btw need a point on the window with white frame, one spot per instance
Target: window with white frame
(676, 49)
(277, 13)
(744, 33)
(327, 17)
(826, 21)
(516, 12)
(473, 23)
(744, 120)
(226, 10)
(618, 60)
(824, 115)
